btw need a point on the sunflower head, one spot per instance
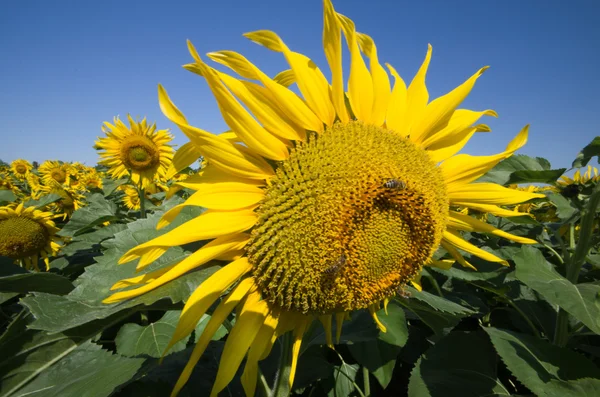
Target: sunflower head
(139, 150)
(70, 199)
(27, 234)
(131, 199)
(21, 168)
(56, 173)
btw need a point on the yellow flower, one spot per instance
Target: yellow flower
(70, 200)
(27, 234)
(591, 175)
(140, 151)
(91, 180)
(131, 199)
(56, 173)
(21, 168)
(322, 206)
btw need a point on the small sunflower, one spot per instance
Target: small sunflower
(140, 151)
(92, 180)
(56, 173)
(27, 234)
(322, 205)
(131, 199)
(71, 200)
(21, 168)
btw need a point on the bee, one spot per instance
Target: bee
(337, 266)
(401, 292)
(395, 184)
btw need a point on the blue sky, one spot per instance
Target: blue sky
(68, 66)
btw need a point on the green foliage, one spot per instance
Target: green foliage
(522, 169)
(586, 154)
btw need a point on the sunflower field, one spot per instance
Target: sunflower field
(335, 241)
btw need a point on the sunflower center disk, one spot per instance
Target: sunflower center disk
(139, 154)
(21, 169)
(21, 237)
(59, 176)
(350, 217)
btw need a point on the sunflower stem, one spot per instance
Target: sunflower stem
(281, 386)
(561, 328)
(142, 196)
(366, 383)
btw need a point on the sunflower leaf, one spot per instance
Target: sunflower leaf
(7, 196)
(525, 170)
(378, 357)
(42, 201)
(537, 363)
(43, 282)
(578, 300)
(460, 361)
(586, 154)
(97, 212)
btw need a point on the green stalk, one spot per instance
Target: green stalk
(281, 386)
(561, 328)
(142, 195)
(366, 381)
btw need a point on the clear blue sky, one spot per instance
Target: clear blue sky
(67, 66)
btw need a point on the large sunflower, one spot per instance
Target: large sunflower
(326, 203)
(140, 150)
(56, 173)
(27, 234)
(21, 168)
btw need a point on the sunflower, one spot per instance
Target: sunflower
(91, 180)
(21, 168)
(322, 205)
(71, 200)
(56, 173)
(27, 234)
(140, 151)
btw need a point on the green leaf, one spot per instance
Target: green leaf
(151, 340)
(312, 366)
(564, 208)
(460, 364)
(585, 387)
(84, 303)
(97, 212)
(344, 377)
(7, 196)
(587, 226)
(110, 185)
(591, 150)
(42, 201)
(26, 354)
(524, 168)
(439, 303)
(221, 332)
(43, 282)
(539, 275)
(87, 371)
(378, 357)
(535, 362)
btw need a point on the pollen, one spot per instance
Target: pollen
(21, 237)
(347, 221)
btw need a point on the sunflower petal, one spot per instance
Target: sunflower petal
(464, 245)
(298, 334)
(438, 113)
(469, 224)
(286, 78)
(243, 334)
(457, 255)
(185, 156)
(326, 321)
(290, 103)
(332, 44)
(221, 153)
(489, 193)
(490, 209)
(462, 119)
(395, 119)
(360, 84)
(208, 225)
(312, 83)
(464, 168)
(216, 320)
(262, 342)
(417, 95)
(381, 81)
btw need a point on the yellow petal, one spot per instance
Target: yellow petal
(490, 209)
(242, 335)
(438, 113)
(443, 264)
(204, 255)
(262, 342)
(209, 225)
(381, 81)
(326, 321)
(218, 317)
(453, 132)
(290, 103)
(210, 174)
(142, 279)
(241, 122)
(223, 154)
(311, 82)
(332, 44)
(298, 334)
(417, 95)
(457, 255)
(447, 151)
(259, 104)
(218, 196)
(470, 224)
(205, 295)
(373, 310)
(339, 322)
(360, 84)
(395, 116)
(464, 168)
(489, 193)
(464, 245)
(185, 156)
(286, 78)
